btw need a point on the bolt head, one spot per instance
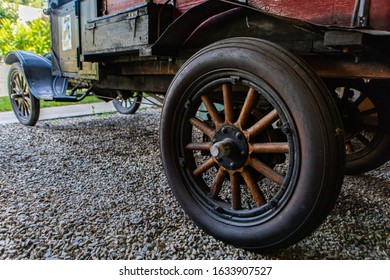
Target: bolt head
(224, 130)
(233, 165)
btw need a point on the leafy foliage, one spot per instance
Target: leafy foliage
(31, 3)
(8, 10)
(32, 36)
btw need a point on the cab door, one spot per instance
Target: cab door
(67, 20)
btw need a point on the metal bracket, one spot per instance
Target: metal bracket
(361, 13)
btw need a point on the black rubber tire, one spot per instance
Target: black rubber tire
(312, 181)
(128, 105)
(25, 106)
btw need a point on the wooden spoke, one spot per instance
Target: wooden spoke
(204, 167)
(349, 148)
(24, 84)
(267, 171)
(247, 108)
(202, 127)
(217, 185)
(359, 100)
(236, 192)
(27, 108)
(204, 146)
(363, 139)
(253, 188)
(227, 102)
(262, 124)
(17, 83)
(369, 112)
(24, 108)
(216, 117)
(272, 148)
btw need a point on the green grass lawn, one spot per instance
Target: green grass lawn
(5, 104)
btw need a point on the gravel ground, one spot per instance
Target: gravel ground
(94, 188)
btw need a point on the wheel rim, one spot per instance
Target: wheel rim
(126, 102)
(20, 96)
(361, 121)
(231, 154)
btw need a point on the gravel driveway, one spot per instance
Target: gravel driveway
(94, 188)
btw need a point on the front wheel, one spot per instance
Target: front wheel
(252, 144)
(25, 105)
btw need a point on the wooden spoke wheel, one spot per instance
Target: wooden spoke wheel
(127, 103)
(252, 144)
(25, 106)
(367, 124)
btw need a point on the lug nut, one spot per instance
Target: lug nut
(239, 136)
(233, 165)
(286, 129)
(224, 130)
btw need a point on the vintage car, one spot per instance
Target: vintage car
(267, 103)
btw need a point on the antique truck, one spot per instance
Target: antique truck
(267, 103)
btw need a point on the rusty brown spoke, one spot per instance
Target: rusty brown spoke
(267, 171)
(253, 188)
(216, 117)
(236, 192)
(227, 103)
(204, 167)
(204, 146)
(262, 124)
(272, 148)
(202, 127)
(247, 108)
(218, 182)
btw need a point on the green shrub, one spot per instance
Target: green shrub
(32, 36)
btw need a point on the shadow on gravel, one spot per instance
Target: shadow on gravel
(94, 188)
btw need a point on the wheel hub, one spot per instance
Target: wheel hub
(230, 147)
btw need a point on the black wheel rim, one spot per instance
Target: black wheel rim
(257, 127)
(20, 96)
